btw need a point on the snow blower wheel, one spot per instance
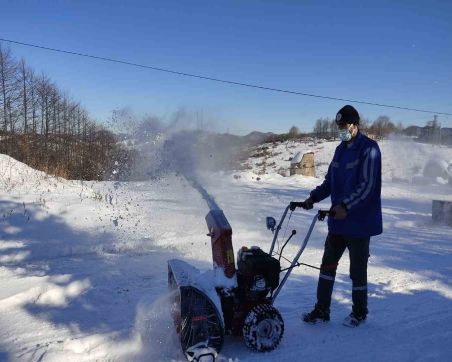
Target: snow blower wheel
(263, 328)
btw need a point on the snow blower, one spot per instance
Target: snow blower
(241, 300)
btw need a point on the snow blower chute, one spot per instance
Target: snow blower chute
(242, 301)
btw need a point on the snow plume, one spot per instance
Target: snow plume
(143, 136)
(184, 143)
(155, 328)
(406, 160)
(156, 332)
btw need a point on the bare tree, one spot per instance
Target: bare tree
(332, 129)
(294, 132)
(318, 128)
(382, 127)
(432, 131)
(23, 73)
(364, 124)
(322, 128)
(8, 87)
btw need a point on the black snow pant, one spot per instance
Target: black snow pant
(358, 249)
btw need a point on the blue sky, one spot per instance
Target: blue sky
(393, 52)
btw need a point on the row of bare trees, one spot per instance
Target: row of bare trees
(380, 128)
(43, 127)
(325, 128)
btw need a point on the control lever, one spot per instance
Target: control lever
(324, 213)
(290, 237)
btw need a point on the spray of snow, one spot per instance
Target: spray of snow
(404, 159)
(155, 329)
(183, 142)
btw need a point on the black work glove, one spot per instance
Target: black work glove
(307, 204)
(293, 205)
(338, 212)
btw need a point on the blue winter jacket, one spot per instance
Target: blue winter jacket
(354, 180)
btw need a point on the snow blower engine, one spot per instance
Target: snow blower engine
(229, 300)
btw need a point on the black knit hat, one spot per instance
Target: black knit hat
(347, 114)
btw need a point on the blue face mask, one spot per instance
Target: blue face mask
(344, 134)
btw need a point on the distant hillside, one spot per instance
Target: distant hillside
(258, 137)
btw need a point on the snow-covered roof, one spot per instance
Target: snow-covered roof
(299, 156)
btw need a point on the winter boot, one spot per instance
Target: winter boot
(318, 314)
(354, 320)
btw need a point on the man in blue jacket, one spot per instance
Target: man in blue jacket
(353, 181)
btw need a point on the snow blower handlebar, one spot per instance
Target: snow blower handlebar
(321, 214)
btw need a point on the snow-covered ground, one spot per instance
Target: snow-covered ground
(83, 265)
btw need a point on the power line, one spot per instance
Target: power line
(249, 85)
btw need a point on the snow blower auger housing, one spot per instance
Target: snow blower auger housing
(238, 301)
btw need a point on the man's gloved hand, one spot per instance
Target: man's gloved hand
(307, 204)
(338, 212)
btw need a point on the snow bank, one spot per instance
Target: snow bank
(15, 174)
